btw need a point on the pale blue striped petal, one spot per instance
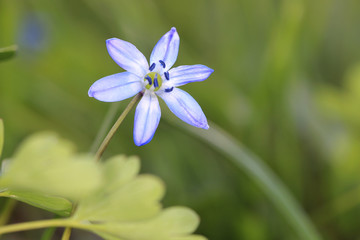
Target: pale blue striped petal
(185, 107)
(116, 87)
(189, 73)
(127, 56)
(166, 50)
(147, 118)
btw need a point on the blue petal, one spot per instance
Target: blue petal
(116, 87)
(147, 118)
(166, 50)
(127, 56)
(191, 73)
(185, 107)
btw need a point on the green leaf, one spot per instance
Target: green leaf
(261, 174)
(1, 136)
(128, 207)
(7, 52)
(58, 205)
(47, 164)
(172, 223)
(124, 195)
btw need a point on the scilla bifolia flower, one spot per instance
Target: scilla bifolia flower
(156, 79)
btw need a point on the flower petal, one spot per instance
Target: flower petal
(190, 73)
(116, 87)
(147, 118)
(166, 50)
(185, 107)
(127, 56)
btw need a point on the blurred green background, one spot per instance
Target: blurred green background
(286, 85)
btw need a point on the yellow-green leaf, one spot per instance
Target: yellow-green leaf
(123, 197)
(58, 205)
(47, 164)
(172, 223)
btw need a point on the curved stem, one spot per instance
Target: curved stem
(43, 224)
(113, 130)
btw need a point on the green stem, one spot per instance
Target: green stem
(66, 234)
(113, 130)
(8, 208)
(43, 224)
(49, 232)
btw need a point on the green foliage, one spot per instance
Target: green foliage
(124, 196)
(58, 205)
(174, 223)
(340, 109)
(127, 206)
(45, 170)
(7, 52)
(113, 200)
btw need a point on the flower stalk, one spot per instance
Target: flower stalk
(117, 124)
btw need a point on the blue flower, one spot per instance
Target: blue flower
(156, 79)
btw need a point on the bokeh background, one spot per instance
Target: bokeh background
(286, 85)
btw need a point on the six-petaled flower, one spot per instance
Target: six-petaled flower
(156, 79)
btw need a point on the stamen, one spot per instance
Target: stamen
(152, 66)
(167, 76)
(156, 84)
(149, 79)
(162, 63)
(169, 89)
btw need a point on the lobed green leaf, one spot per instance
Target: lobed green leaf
(47, 164)
(174, 223)
(58, 205)
(128, 207)
(123, 197)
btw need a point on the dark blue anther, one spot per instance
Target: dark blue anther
(149, 79)
(169, 89)
(152, 66)
(156, 84)
(167, 76)
(162, 63)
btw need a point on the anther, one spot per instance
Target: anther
(149, 79)
(169, 89)
(156, 84)
(167, 76)
(162, 63)
(152, 67)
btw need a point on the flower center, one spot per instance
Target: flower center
(153, 81)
